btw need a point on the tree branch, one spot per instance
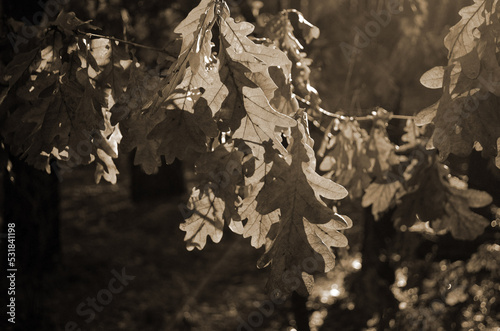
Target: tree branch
(351, 118)
(160, 50)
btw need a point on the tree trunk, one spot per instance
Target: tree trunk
(168, 182)
(374, 295)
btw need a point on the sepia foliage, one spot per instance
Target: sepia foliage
(241, 106)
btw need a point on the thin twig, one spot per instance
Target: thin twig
(160, 50)
(351, 118)
(402, 117)
(323, 111)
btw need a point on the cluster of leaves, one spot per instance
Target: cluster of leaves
(467, 115)
(410, 178)
(229, 101)
(224, 100)
(407, 178)
(254, 184)
(280, 30)
(57, 95)
(374, 170)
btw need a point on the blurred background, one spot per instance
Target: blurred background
(72, 233)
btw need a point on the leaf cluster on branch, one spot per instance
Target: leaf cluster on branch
(57, 97)
(225, 100)
(467, 115)
(231, 101)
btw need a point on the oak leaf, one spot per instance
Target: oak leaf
(430, 189)
(206, 219)
(307, 226)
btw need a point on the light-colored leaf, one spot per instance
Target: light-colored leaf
(427, 115)
(196, 49)
(258, 225)
(433, 78)
(261, 122)
(241, 49)
(464, 115)
(206, 219)
(460, 41)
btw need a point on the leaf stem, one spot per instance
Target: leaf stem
(402, 117)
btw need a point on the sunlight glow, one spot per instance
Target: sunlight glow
(334, 292)
(356, 264)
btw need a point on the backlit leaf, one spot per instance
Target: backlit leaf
(431, 188)
(206, 219)
(296, 190)
(433, 78)
(381, 196)
(465, 115)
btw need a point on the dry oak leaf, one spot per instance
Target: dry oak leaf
(307, 227)
(206, 219)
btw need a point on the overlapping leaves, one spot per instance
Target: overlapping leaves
(344, 157)
(280, 30)
(413, 183)
(230, 108)
(307, 226)
(444, 201)
(250, 181)
(56, 102)
(365, 163)
(467, 114)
